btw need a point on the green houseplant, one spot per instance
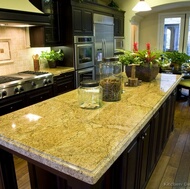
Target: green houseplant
(149, 62)
(52, 57)
(177, 59)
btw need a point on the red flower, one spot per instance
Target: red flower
(148, 46)
(135, 47)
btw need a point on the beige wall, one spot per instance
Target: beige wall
(20, 52)
(148, 27)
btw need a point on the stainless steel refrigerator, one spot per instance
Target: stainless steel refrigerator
(103, 38)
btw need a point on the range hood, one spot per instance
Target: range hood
(21, 13)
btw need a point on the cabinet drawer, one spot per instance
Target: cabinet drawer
(11, 104)
(39, 95)
(63, 83)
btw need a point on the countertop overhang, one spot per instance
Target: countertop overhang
(78, 142)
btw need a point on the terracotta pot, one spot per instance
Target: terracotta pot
(52, 64)
(144, 73)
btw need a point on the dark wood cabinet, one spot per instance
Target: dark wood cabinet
(19, 101)
(45, 36)
(63, 83)
(38, 95)
(135, 166)
(144, 146)
(11, 104)
(82, 21)
(119, 25)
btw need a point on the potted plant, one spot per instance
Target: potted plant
(52, 57)
(149, 62)
(177, 59)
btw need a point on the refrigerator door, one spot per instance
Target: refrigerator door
(103, 38)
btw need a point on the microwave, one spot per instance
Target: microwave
(119, 43)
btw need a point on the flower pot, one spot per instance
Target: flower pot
(52, 64)
(144, 73)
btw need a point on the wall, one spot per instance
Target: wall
(149, 27)
(148, 23)
(20, 51)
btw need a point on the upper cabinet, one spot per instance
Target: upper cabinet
(45, 36)
(119, 24)
(82, 21)
(70, 18)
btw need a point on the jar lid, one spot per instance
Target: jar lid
(89, 83)
(115, 58)
(106, 59)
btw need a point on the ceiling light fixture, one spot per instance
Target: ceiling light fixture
(141, 6)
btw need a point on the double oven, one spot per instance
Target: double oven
(84, 58)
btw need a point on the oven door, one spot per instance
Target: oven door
(84, 55)
(85, 74)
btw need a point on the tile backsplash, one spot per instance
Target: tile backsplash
(20, 51)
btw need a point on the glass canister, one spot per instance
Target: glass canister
(111, 79)
(90, 94)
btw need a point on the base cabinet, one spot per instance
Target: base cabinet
(38, 95)
(11, 104)
(19, 101)
(63, 83)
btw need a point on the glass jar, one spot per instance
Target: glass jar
(111, 79)
(90, 94)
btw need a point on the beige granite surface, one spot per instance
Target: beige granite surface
(83, 143)
(58, 70)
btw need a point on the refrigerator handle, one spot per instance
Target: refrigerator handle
(103, 48)
(105, 45)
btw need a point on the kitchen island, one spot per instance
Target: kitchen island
(69, 147)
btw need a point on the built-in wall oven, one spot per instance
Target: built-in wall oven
(84, 51)
(84, 58)
(85, 74)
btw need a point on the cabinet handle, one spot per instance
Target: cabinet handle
(143, 136)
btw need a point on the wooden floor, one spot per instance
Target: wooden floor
(173, 168)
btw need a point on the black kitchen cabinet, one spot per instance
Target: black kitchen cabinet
(45, 36)
(63, 83)
(82, 21)
(22, 100)
(11, 104)
(119, 25)
(38, 95)
(136, 164)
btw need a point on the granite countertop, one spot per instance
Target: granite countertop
(78, 142)
(58, 70)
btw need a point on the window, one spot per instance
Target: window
(174, 32)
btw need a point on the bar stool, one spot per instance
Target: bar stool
(184, 84)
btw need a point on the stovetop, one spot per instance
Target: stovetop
(5, 79)
(26, 75)
(24, 81)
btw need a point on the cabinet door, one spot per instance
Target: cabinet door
(63, 83)
(161, 131)
(119, 26)
(131, 164)
(82, 22)
(173, 100)
(153, 151)
(11, 104)
(41, 36)
(39, 95)
(87, 22)
(143, 156)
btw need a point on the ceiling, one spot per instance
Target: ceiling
(165, 7)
